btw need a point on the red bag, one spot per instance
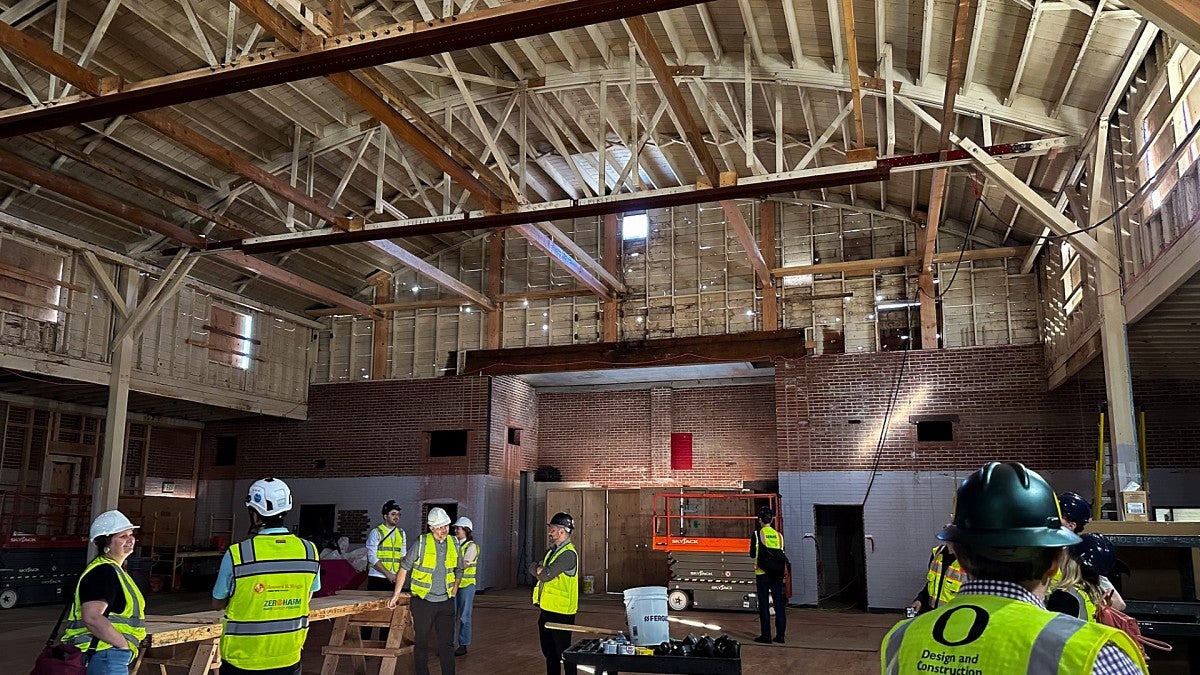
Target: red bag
(59, 659)
(1111, 616)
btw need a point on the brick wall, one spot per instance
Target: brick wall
(622, 438)
(832, 408)
(353, 524)
(365, 429)
(514, 406)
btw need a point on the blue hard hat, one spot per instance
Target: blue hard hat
(1075, 509)
(1095, 553)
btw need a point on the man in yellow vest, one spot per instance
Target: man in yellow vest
(769, 576)
(556, 592)
(386, 545)
(264, 585)
(943, 578)
(1009, 537)
(435, 565)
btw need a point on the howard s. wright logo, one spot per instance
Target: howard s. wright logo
(259, 588)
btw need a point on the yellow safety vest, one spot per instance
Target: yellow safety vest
(993, 635)
(942, 585)
(468, 576)
(768, 537)
(422, 571)
(391, 547)
(266, 620)
(1087, 608)
(561, 594)
(130, 622)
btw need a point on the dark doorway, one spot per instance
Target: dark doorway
(841, 562)
(317, 522)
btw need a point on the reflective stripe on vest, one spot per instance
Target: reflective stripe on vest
(422, 571)
(266, 620)
(943, 584)
(130, 622)
(1087, 608)
(768, 537)
(990, 634)
(391, 547)
(468, 575)
(560, 594)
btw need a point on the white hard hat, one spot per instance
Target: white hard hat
(438, 517)
(270, 497)
(464, 521)
(110, 522)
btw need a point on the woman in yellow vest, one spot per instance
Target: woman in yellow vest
(264, 585)
(107, 620)
(434, 563)
(1009, 537)
(556, 592)
(464, 600)
(1080, 590)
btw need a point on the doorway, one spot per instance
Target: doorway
(317, 524)
(841, 557)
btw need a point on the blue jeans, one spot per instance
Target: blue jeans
(110, 662)
(464, 601)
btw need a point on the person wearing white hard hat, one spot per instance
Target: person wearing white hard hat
(264, 585)
(108, 617)
(435, 565)
(465, 599)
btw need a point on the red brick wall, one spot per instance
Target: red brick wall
(1172, 410)
(514, 405)
(622, 438)
(364, 429)
(998, 394)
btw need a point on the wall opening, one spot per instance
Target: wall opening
(842, 561)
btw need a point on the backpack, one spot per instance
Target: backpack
(1111, 616)
(772, 561)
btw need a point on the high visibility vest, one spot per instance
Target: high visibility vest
(768, 537)
(422, 571)
(130, 622)
(468, 575)
(561, 594)
(266, 620)
(391, 547)
(943, 582)
(1087, 608)
(993, 635)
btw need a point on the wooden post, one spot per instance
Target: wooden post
(116, 415)
(609, 257)
(495, 288)
(770, 294)
(382, 326)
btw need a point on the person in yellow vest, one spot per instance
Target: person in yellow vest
(464, 600)
(1077, 513)
(1009, 537)
(107, 619)
(386, 545)
(435, 565)
(1079, 591)
(556, 592)
(942, 580)
(264, 585)
(766, 543)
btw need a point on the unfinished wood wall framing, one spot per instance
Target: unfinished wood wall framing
(691, 277)
(170, 353)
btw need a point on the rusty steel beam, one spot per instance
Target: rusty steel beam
(341, 53)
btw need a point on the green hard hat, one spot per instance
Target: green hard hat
(1005, 505)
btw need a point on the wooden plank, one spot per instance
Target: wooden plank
(34, 302)
(609, 255)
(767, 237)
(36, 279)
(495, 287)
(229, 333)
(863, 266)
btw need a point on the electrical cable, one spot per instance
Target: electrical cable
(887, 416)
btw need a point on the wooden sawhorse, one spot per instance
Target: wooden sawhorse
(346, 641)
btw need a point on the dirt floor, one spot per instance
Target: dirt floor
(505, 636)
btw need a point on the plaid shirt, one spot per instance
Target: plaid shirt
(1110, 661)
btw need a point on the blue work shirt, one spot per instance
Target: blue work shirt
(224, 586)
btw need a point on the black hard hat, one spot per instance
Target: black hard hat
(563, 520)
(1005, 505)
(1075, 509)
(1096, 554)
(389, 506)
(765, 513)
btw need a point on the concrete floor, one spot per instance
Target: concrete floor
(505, 636)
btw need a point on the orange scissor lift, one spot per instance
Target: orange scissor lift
(707, 539)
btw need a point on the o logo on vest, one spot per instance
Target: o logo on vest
(978, 625)
(259, 588)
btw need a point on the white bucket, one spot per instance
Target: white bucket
(646, 610)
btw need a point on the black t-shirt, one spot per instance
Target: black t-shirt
(102, 584)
